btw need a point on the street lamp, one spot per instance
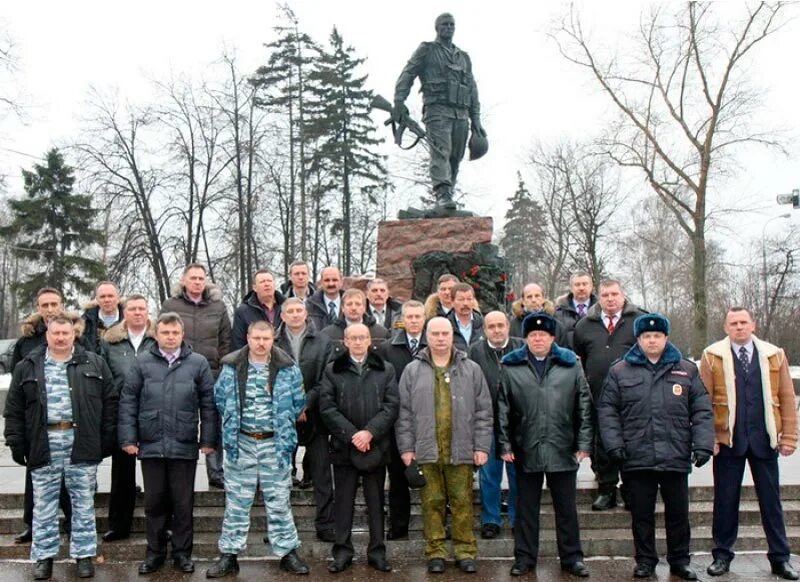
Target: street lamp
(764, 268)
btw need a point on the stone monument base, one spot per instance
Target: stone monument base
(401, 242)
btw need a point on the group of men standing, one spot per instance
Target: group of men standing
(428, 391)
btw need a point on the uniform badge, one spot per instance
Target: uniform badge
(677, 389)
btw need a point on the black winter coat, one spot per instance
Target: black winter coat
(568, 318)
(489, 361)
(161, 405)
(397, 353)
(94, 408)
(598, 349)
(392, 312)
(658, 413)
(544, 422)
(117, 350)
(351, 401)
(315, 351)
(94, 328)
(250, 310)
(32, 336)
(335, 333)
(477, 330)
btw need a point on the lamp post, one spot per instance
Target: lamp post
(764, 269)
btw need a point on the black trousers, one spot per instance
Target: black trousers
(643, 487)
(606, 470)
(526, 528)
(63, 501)
(728, 471)
(122, 499)
(399, 494)
(169, 493)
(323, 484)
(345, 478)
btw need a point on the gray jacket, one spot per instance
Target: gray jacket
(472, 410)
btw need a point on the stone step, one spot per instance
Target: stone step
(585, 496)
(615, 542)
(209, 519)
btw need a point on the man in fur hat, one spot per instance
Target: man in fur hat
(655, 421)
(207, 328)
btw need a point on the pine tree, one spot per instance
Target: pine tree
(523, 232)
(347, 150)
(53, 229)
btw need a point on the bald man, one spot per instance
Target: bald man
(325, 305)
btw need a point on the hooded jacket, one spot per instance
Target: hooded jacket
(658, 414)
(567, 316)
(161, 405)
(32, 335)
(544, 421)
(351, 400)
(94, 327)
(433, 307)
(518, 314)
(598, 349)
(118, 351)
(780, 414)
(415, 429)
(207, 327)
(288, 401)
(251, 310)
(94, 408)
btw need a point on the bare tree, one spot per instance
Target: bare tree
(685, 106)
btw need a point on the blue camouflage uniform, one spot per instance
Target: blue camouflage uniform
(80, 478)
(259, 400)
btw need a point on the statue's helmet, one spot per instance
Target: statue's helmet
(478, 146)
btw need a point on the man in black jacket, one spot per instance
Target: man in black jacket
(262, 303)
(354, 310)
(60, 416)
(487, 353)
(101, 314)
(119, 347)
(399, 352)
(655, 419)
(168, 390)
(311, 350)
(325, 305)
(359, 403)
(601, 338)
(575, 305)
(384, 308)
(49, 303)
(298, 284)
(467, 322)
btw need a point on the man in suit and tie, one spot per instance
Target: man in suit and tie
(755, 420)
(325, 305)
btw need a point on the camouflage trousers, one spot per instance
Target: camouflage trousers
(445, 483)
(81, 482)
(258, 464)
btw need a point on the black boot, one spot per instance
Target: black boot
(605, 500)
(85, 567)
(43, 569)
(293, 564)
(227, 564)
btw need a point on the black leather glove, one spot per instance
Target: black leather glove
(700, 458)
(19, 457)
(617, 455)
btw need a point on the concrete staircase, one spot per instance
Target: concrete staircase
(603, 533)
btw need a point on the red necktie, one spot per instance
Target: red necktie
(611, 326)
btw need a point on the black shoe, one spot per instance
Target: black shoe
(225, 565)
(304, 483)
(150, 565)
(381, 565)
(183, 563)
(24, 537)
(339, 566)
(519, 569)
(85, 567)
(436, 566)
(643, 571)
(578, 569)
(326, 535)
(683, 571)
(605, 501)
(114, 535)
(489, 531)
(784, 570)
(718, 567)
(216, 483)
(292, 563)
(266, 538)
(43, 569)
(467, 566)
(397, 534)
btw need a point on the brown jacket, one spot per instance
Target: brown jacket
(717, 373)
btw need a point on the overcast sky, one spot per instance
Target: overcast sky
(528, 91)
